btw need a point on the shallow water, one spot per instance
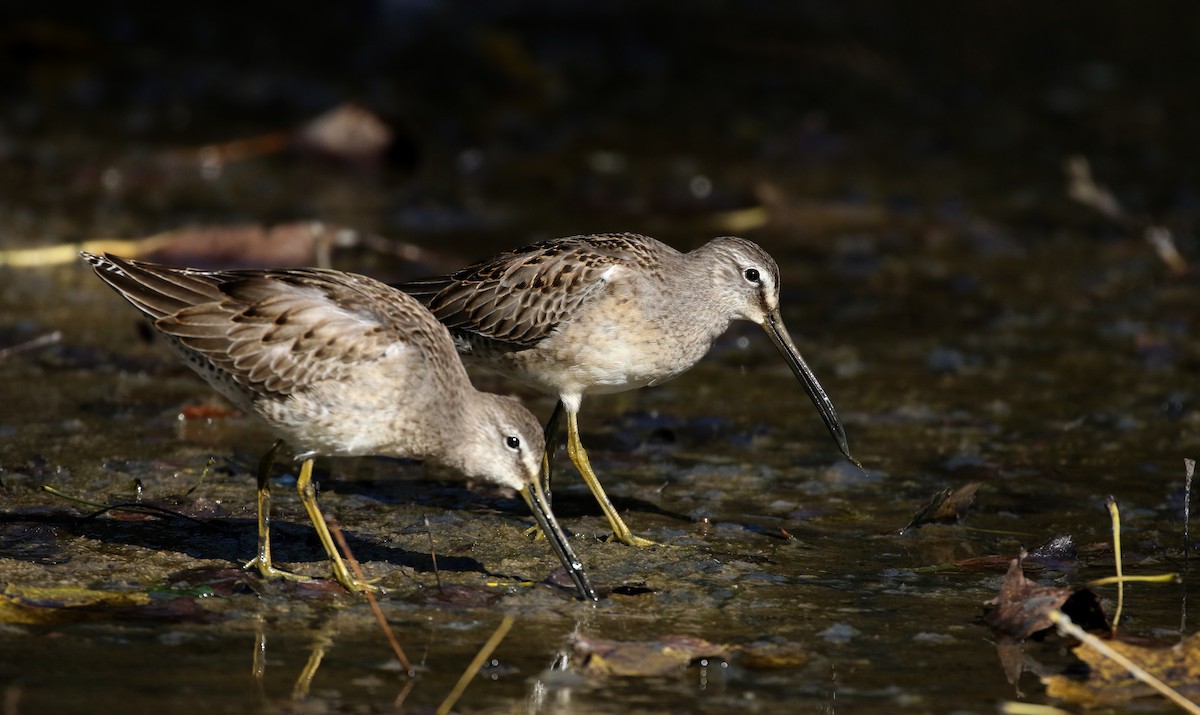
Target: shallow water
(969, 321)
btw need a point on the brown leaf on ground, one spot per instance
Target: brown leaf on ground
(207, 411)
(49, 605)
(61, 604)
(213, 581)
(1023, 606)
(1108, 684)
(450, 594)
(348, 132)
(663, 656)
(285, 245)
(948, 506)
(788, 211)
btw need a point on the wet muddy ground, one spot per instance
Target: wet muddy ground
(971, 322)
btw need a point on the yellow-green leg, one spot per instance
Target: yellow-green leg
(308, 497)
(579, 457)
(263, 560)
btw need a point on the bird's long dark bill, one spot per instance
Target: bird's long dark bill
(779, 335)
(536, 500)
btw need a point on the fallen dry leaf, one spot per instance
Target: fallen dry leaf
(1108, 684)
(286, 245)
(948, 506)
(61, 604)
(347, 132)
(49, 605)
(455, 595)
(1023, 606)
(207, 412)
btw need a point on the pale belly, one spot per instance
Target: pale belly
(390, 418)
(605, 360)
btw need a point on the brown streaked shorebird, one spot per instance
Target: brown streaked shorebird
(338, 364)
(605, 313)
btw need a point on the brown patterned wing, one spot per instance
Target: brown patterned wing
(520, 296)
(278, 331)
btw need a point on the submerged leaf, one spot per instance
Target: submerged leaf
(642, 658)
(769, 656)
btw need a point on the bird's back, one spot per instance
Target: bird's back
(517, 298)
(318, 354)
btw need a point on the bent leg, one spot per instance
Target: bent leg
(263, 560)
(308, 497)
(579, 457)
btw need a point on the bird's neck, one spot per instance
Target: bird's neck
(465, 429)
(691, 295)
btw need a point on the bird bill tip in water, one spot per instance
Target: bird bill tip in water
(536, 500)
(774, 328)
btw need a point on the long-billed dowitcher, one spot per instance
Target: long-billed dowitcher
(607, 313)
(338, 364)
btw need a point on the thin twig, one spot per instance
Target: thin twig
(40, 341)
(203, 475)
(358, 573)
(132, 507)
(433, 554)
(1115, 513)
(1066, 627)
(398, 703)
(1082, 187)
(1189, 470)
(1009, 707)
(480, 658)
(1160, 578)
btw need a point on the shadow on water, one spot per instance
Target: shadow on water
(971, 322)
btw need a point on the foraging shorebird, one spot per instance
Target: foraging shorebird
(338, 364)
(604, 313)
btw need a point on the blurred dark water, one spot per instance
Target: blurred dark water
(971, 321)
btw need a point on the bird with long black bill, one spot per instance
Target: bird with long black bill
(338, 364)
(604, 313)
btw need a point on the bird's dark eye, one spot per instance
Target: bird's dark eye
(751, 275)
(512, 443)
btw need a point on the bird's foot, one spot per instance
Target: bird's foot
(349, 582)
(352, 584)
(269, 571)
(631, 539)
